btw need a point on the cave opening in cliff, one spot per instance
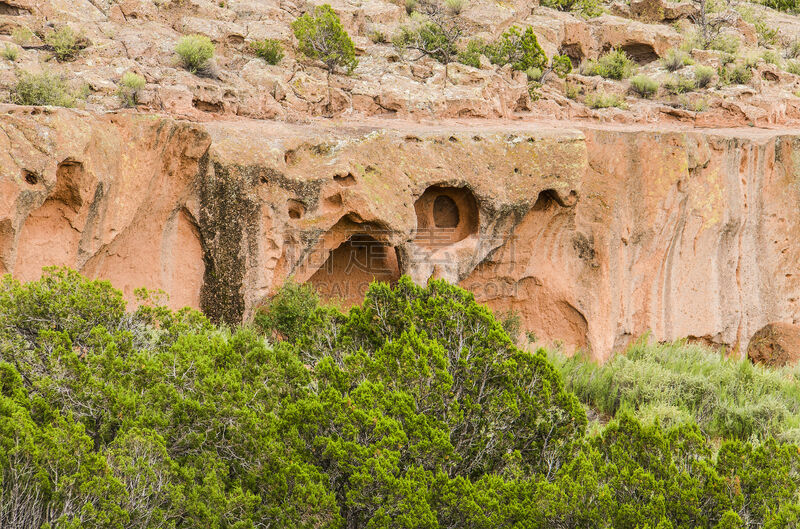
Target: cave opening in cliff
(445, 215)
(353, 265)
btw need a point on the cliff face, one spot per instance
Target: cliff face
(594, 235)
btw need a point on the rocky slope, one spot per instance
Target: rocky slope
(141, 35)
(594, 234)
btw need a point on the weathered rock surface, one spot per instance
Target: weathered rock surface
(595, 234)
(775, 344)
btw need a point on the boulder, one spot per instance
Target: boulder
(775, 345)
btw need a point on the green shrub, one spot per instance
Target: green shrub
(674, 60)
(703, 75)
(613, 65)
(534, 74)
(771, 57)
(792, 67)
(411, 5)
(726, 43)
(791, 6)
(43, 89)
(320, 36)
(286, 313)
(728, 398)
(792, 51)
(604, 100)
(430, 39)
(378, 37)
(561, 65)
(680, 84)
(268, 49)
(130, 86)
(471, 54)
(561, 5)
(571, 92)
(22, 35)
(736, 74)
(10, 53)
(412, 410)
(65, 43)
(454, 6)
(644, 86)
(518, 48)
(195, 52)
(588, 8)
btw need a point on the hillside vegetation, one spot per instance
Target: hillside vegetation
(414, 409)
(679, 383)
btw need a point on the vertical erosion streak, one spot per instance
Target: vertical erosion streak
(667, 290)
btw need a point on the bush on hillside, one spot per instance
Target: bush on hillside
(320, 35)
(65, 43)
(644, 86)
(130, 86)
(613, 65)
(42, 89)
(270, 50)
(518, 48)
(674, 60)
(703, 75)
(195, 52)
(604, 100)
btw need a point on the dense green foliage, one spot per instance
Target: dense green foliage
(792, 6)
(320, 36)
(268, 49)
(518, 48)
(413, 410)
(682, 383)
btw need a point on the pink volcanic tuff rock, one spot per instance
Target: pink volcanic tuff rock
(594, 234)
(775, 345)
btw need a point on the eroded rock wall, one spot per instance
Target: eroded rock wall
(112, 196)
(683, 234)
(594, 235)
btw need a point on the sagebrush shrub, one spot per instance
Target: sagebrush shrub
(674, 60)
(613, 65)
(22, 35)
(10, 53)
(129, 87)
(268, 49)
(604, 100)
(42, 89)
(703, 75)
(195, 52)
(65, 43)
(644, 86)
(680, 84)
(791, 6)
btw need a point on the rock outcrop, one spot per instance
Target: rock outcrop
(775, 345)
(594, 234)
